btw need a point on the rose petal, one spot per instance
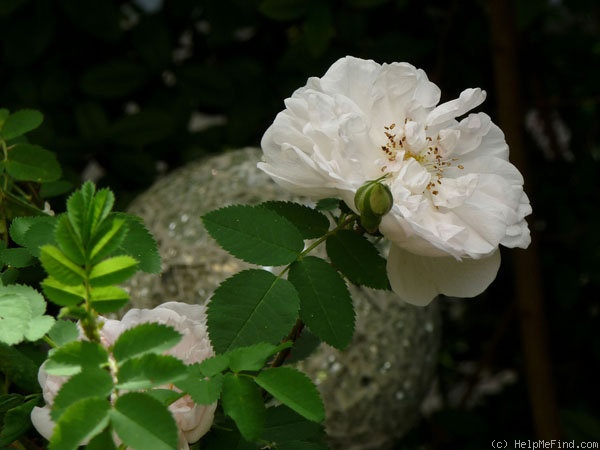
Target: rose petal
(419, 279)
(40, 418)
(468, 99)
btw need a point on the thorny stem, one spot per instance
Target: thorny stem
(294, 334)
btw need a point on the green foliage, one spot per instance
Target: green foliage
(143, 422)
(254, 357)
(294, 389)
(22, 315)
(325, 303)
(93, 382)
(144, 338)
(19, 123)
(214, 365)
(32, 163)
(76, 356)
(33, 232)
(113, 270)
(16, 257)
(93, 251)
(203, 391)
(19, 368)
(358, 259)
(264, 313)
(82, 420)
(63, 332)
(15, 419)
(140, 244)
(149, 371)
(102, 441)
(311, 223)
(284, 424)
(255, 234)
(242, 401)
(108, 299)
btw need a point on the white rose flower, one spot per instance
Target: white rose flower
(193, 420)
(456, 197)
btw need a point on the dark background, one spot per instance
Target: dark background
(119, 81)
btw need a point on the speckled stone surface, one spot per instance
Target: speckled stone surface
(373, 389)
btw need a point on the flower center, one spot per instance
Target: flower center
(405, 142)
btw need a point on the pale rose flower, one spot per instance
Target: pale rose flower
(193, 420)
(456, 197)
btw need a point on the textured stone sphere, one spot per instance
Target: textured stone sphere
(372, 390)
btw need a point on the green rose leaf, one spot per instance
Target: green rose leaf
(328, 204)
(255, 234)
(92, 382)
(22, 314)
(33, 232)
(284, 424)
(28, 162)
(63, 294)
(203, 391)
(19, 367)
(108, 299)
(16, 257)
(87, 209)
(113, 270)
(102, 441)
(325, 303)
(140, 244)
(311, 223)
(69, 241)
(214, 365)
(165, 396)
(265, 313)
(254, 357)
(150, 370)
(60, 267)
(243, 402)
(109, 238)
(358, 259)
(145, 338)
(75, 356)
(295, 390)
(143, 422)
(82, 420)
(19, 123)
(63, 332)
(16, 421)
